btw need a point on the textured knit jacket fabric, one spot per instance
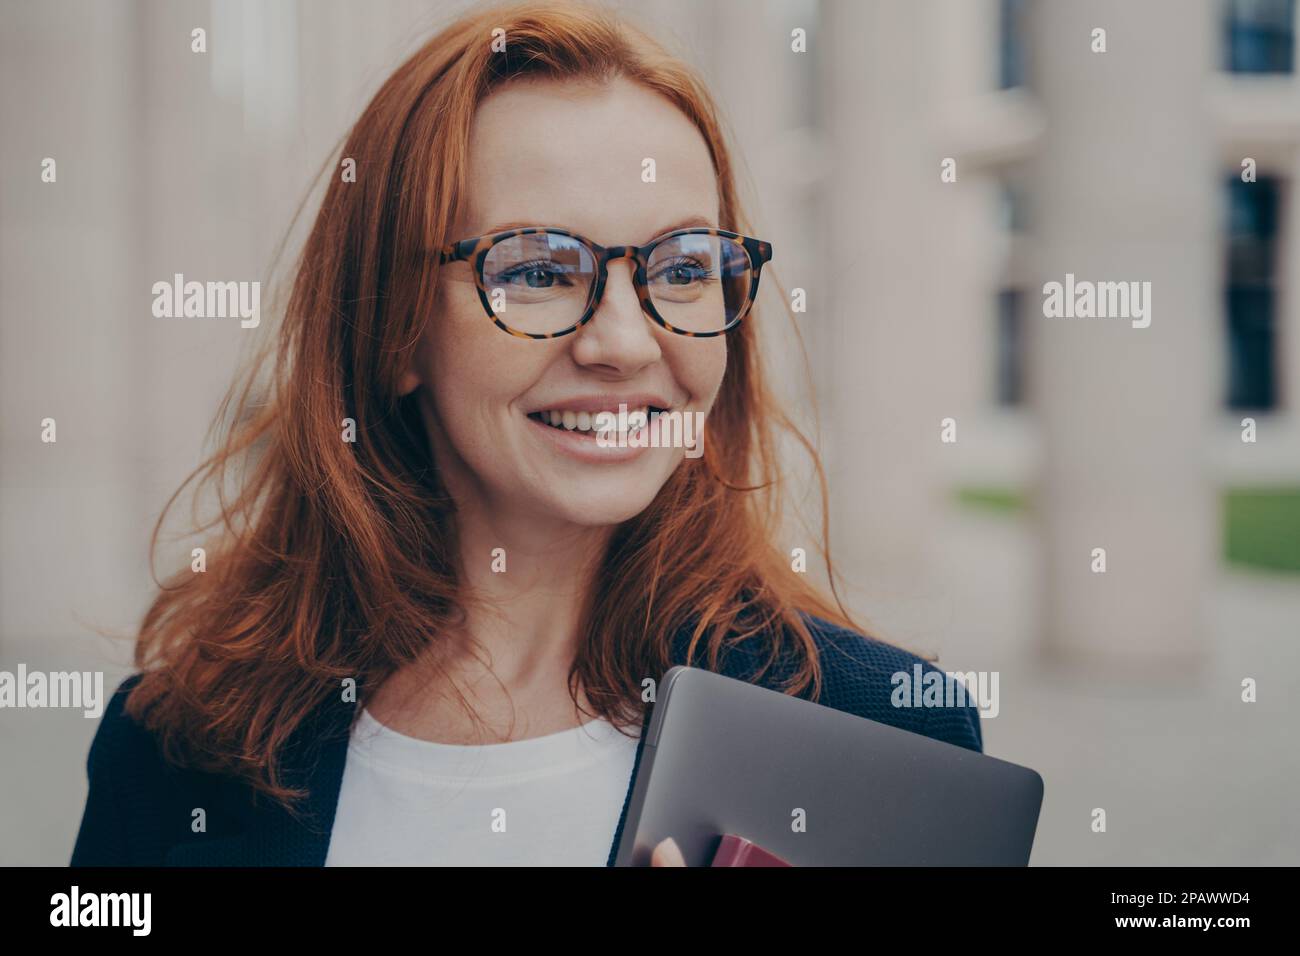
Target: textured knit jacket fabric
(140, 808)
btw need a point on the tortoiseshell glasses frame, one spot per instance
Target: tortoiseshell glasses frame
(475, 250)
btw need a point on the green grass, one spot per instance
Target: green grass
(1260, 525)
(1002, 500)
(1262, 528)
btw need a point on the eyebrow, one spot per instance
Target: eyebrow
(688, 223)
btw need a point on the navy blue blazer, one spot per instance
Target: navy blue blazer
(140, 808)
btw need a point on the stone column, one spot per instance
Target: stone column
(888, 327)
(1125, 188)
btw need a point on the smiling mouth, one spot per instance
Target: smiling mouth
(588, 423)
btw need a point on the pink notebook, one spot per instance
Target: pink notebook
(737, 851)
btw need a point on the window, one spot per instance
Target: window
(1259, 36)
(1253, 215)
(1011, 38)
(1011, 348)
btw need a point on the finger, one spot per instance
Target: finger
(667, 853)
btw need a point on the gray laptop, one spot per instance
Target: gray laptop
(816, 786)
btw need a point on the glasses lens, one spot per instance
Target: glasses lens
(539, 283)
(699, 283)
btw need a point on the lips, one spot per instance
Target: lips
(591, 447)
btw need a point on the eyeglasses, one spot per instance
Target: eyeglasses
(541, 283)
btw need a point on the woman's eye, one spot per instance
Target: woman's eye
(534, 275)
(683, 272)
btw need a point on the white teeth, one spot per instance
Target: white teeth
(606, 421)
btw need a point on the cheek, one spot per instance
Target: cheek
(699, 367)
(474, 373)
(472, 387)
(464, 368)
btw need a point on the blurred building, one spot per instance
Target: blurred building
(1117, 165)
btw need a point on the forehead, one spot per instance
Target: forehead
(574, 155)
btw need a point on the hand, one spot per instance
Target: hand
(667, 853)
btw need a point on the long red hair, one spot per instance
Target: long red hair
(336, 560)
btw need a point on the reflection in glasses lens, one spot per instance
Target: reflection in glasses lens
(539, 283)
(542, 283)
(698, 283)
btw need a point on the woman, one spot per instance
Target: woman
(432, 619)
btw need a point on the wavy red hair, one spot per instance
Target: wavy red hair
(336, 560)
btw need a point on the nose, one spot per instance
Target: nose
(619, 338)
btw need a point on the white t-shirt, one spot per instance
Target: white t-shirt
(547, 801)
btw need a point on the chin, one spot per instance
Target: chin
(603, 501)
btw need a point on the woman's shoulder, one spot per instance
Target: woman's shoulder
(121, 757)
(130, 755)
(137, 800)
(119, 736)
(124, 753)
(867, 677)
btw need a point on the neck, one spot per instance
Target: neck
(525, 578)
(527, 583)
